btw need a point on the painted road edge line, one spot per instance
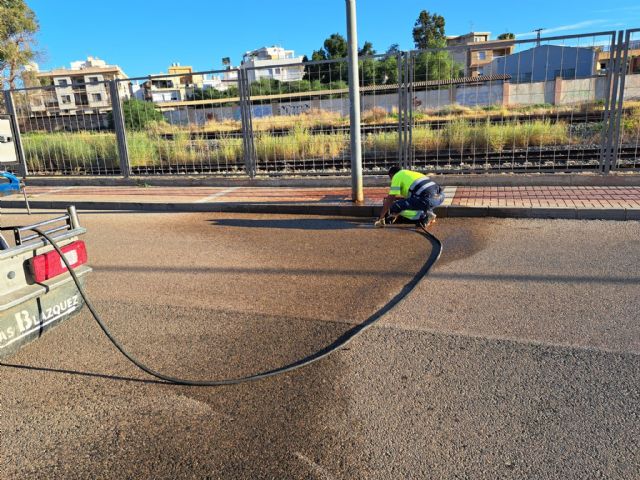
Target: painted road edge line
(217, 195)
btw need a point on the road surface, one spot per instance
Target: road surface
(518, 357)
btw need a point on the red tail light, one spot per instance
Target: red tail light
(50, 265)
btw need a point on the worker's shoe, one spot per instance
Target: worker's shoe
(379, 223)
(427, 220)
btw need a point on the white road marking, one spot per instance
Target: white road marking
(50, 191)
(449, 193)
(216, 195)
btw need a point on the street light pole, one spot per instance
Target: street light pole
(357, 192)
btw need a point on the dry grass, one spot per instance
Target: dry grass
(375, 116)
(313, 118)
(151, 147)
(462, 135)
(319, 118)
(300, 144)
(631, 125)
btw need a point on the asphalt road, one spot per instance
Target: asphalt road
(518, 357)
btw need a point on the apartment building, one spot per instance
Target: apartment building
(80, 89)
(175, 86)
(633, 58)
(469, 51)
(273, 62)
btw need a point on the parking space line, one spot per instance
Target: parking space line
(217, 195)
(55, 190)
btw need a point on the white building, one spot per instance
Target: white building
(273, 62)
(79, 89)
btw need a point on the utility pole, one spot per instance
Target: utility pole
(538, 31)
(357, 191)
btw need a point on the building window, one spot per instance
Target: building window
(63, 82)
(66, 99)
(482, 55)
(93, 80)
(277, 71)
(96, 97)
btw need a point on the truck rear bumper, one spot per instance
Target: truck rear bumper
(37, 313)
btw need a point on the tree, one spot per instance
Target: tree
(428, 31)
(437, 66)
(367, 49)
(138, 114)
(18, 26)
(333, 48)
(428, 34)
(506, 36)
(387, 69)
(393, 49)
(212, 94)
(336, 46)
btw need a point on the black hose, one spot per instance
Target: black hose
(341, 341)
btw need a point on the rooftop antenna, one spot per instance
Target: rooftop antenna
(538, 31)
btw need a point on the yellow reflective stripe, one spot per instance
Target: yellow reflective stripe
(411, 214)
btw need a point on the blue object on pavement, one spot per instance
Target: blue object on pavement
(11, 187)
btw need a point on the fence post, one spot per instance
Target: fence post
(15, 129)
(608, 130)
(119, 126)
(622, 74)
(401, 109)
(410, 92)
(357, 191)
(246, 123)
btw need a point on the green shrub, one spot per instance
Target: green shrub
(138, 114)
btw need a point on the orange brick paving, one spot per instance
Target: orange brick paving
(528, 196)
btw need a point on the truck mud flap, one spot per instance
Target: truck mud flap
(28, 321)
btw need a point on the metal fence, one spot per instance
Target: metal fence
(519, 105)
(553, 104)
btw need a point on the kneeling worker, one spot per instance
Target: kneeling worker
(413, 196)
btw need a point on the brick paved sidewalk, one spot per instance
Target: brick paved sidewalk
(526, 197)
(575, 197)
(606, 203)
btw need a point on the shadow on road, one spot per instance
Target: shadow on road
(293, 223)
(314, 272)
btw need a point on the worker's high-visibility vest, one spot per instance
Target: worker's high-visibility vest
(403, 184)
(403, 180)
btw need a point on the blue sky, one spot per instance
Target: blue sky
(145, 37)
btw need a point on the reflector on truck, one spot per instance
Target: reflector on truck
(50, 265)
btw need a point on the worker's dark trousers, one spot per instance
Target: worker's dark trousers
(425, 203)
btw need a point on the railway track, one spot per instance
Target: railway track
(558, 160)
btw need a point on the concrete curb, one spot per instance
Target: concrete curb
(338, 210)
(477, 180)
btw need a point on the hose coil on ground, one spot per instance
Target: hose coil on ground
(340, 342)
